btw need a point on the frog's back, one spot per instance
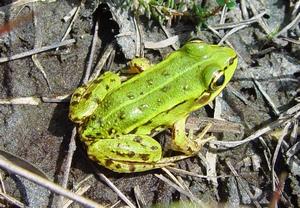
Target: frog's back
(159, 89)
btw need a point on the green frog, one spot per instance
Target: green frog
(117, 120)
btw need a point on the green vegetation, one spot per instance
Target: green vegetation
(167, 10)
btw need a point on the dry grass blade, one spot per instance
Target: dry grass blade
(11, 200)
(267, 152)
(232, 31)
(140, 200)
(267, 97)
(161, 44)
(173, 177)
(58, 99)
(261, 22)
(22, 163)
(36, 51)
(79, 191)
(118, 192)
(168, 34)
(218, 126)
(92, 53)
(188, 173)
(107, 52)
(46, 183)
(231, 144)
(242, 183)
(238, 94)
(238, 24)
(291, 40)
(180, 190)
(18, 3)
(293, 112)
(67, 167)
(293, 150)
(138, 38)
(2, 187)
(35, 100)
(211, 168)
(289, 26)
(73, 20)
(69, 15)
(21, 101)
(284, 133)
(244, 9)
(38, 44)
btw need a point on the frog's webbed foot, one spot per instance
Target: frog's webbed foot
(188, 144)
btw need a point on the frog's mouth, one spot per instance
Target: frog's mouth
(204, 98)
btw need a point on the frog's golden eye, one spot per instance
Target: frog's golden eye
(218, 80)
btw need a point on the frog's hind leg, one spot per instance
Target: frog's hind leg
(129, 153)
(86, 98)
(188, 144)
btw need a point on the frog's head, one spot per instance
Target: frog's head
(217, 65)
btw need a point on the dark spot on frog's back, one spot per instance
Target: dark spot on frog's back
(137, 139)
(131, 154)
(122, 115)
(150, 82)
(144, 157)
(108, 162)
(97, 81)
(154, 147)
(165, 74)
(131, 168)
(107, 87)
(87, 95)
(118, 166)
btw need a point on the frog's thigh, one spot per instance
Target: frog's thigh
(86, 98)
(127, 153)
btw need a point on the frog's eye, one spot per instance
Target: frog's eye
(218, 80)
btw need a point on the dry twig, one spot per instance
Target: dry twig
(36, 51)
(46, 183)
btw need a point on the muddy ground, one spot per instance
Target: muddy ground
(40, 134)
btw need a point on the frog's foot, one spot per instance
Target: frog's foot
(187, 144)
(137, 65)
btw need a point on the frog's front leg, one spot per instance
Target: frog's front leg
(188, 144)
(129, 153)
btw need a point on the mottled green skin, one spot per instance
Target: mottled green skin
(116, 119)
